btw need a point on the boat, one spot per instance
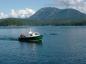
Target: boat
(31, 37)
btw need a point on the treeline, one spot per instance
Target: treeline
(31, 22)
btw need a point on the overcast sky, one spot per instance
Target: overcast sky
(75, 4)
(26, 8)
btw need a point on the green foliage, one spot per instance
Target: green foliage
(30, 22)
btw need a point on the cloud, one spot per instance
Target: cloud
(76, 4)
(22, 13)
(3, 15)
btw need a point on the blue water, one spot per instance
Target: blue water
(61, 45)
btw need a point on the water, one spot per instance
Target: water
(61, 45)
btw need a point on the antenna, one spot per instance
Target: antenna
(30, 29)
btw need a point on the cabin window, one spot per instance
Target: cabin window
(36, 33)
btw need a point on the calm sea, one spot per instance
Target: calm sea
(61, 45)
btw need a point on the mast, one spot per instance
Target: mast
(30, 32)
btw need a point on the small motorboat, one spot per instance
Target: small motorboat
(31, 37)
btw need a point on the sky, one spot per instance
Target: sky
(21, 8)
(26, 8)
(75, 4)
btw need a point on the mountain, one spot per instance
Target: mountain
(49, 13)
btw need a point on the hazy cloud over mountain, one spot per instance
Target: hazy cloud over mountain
(23, 13)
(3, 15)
(76, 4)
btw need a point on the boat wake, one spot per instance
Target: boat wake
(3, 37)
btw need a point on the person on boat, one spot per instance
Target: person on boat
(22, 35)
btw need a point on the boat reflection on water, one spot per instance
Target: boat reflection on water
(32, 47)
(37, 43)
(30, 44)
